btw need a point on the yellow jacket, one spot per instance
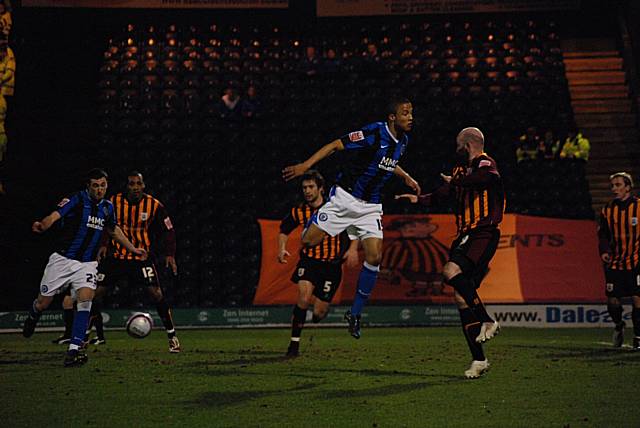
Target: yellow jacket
(8, 74)
(526, 150)
(576, 148)
(5, 24)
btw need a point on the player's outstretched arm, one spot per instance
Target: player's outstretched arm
(293, 171)
(408, 180)
(170, 262)
(117, 234)
(44, 224)
(430, 199)
(408, 196)
(282, 248)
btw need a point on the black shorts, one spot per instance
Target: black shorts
(136, 272)
(622, 283)
(324, 276)
(474, 250)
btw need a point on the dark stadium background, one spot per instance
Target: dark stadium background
(214, 193)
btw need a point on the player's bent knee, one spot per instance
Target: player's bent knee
(155, 293)
(306, 240)
(373, 258)
(372, 251)
(43, 302)
(305, 301)
(451, 270)
(67, 302)
(313, 236)
(320, 310)
(312, 241)
(319, 315)
(85, 294)
(100, 292)
(374, 261)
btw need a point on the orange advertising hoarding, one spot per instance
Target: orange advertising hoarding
(538, 260)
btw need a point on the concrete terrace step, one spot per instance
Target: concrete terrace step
(595, 77)
(598, 165)
(599, 185)
(602, 185)
(593, 54)
(601, 195)
(599, 199)
(592, 64)
(604, 120)
(598, 91)
(614, 151)
(626, 134)
(601, 177)
(597, 203)
(602, 106)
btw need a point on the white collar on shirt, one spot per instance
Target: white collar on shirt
(386, 125)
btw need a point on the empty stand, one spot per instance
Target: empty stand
(160, 111)
(603, 110)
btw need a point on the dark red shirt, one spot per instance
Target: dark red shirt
(479, 194)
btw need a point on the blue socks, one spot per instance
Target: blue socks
(80, 323)
(366, 282)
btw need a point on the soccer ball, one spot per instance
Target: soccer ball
(139, 325)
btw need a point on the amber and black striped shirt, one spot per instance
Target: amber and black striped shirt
(479, 194)
(480, 197)
(331, 249)
(619, 233)
(139, 221)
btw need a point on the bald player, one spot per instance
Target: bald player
(479, 206)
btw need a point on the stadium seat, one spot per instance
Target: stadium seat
(501, 75)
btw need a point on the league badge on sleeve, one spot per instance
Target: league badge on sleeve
(63, 202)
(167, 222)
(356, 136)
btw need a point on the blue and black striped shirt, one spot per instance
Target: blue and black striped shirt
(83, 221)
(371, 155)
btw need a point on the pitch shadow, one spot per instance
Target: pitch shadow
(218, 399)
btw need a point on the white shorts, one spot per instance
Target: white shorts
(360, 219)
(62, 272)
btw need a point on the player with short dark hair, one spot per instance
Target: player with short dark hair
(143, 219)
(480, 204)
(319, 271)
(84, 216)
(619, 245)
(371, 157)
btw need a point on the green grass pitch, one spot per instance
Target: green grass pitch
(392, 377)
